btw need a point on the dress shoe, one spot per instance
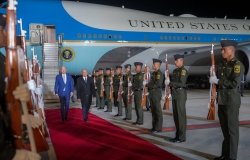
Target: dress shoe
(107, 111)
(220, 158)
(137, 123)
(100, 108)
(117, 115)
(177, 140)
(124, 119)
(156, 131)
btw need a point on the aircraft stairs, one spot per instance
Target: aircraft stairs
(50, 70)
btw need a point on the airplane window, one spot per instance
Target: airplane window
(169, 37)
(110, 36)
(199, 38)
(79, 35)
(99, 35)
(178, 38)
(89, 36)
(120, 36)
(115, 36)
(161, 37)
(186, 38)
(165, 37)
(105, 36)
(174, 38)
(183, 38)
(95, 36)
(84, 35)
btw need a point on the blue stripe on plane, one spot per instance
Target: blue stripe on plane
(51, 12)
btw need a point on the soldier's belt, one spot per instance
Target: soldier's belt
(180, 88)
(154, 88)
(138, 89)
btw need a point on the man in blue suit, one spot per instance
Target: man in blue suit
(85, 88)
(64, 87)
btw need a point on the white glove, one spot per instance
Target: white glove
(22, 154)
(144, 83)
(213, 80)
(71, 94)
(129, 84)
(167, 81)
(39, 91)
(121, 82)
(31, 85)
(111, 83)
(22, 93)
(34, 121)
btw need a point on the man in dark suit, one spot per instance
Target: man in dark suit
(64, 87)
(85, 88)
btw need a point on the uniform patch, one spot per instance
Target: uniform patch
(183, 72)
(158, 76)
(237, 68)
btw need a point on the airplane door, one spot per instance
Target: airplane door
(50, 34)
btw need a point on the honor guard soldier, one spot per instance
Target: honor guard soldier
(107, 88)
(116, 84)
(137, 87)
(155, 94)
(100, 89)
(128, 105)
(179, 97)
(228, 82)
(95, 77)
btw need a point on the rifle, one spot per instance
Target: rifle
(145, 88)
(11, 70)
(120, 90)
(102, 87)
(212, 92)
(35, 101)
(130, 93)
(37, 95)
(167, 88)
(111, 92)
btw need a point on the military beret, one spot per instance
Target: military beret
(138, 63)
(127, 65)
(2, 20)
(178, 56)
(156, 60)
(108, 69)
(100, 69)
(118, 66)
(226, 43)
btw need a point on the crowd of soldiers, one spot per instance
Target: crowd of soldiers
(120, 86)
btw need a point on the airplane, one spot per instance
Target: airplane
(93, 36)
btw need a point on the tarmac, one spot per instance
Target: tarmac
(204, 137)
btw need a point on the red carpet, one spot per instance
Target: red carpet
(97, 139)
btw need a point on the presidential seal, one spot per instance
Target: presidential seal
(67, 54)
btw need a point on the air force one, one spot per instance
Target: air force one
(93, 36)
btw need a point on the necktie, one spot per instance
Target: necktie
(64, 78)
(85, 79)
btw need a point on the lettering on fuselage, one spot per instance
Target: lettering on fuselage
(190, 25)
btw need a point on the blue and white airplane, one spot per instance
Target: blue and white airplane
(103, 36)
